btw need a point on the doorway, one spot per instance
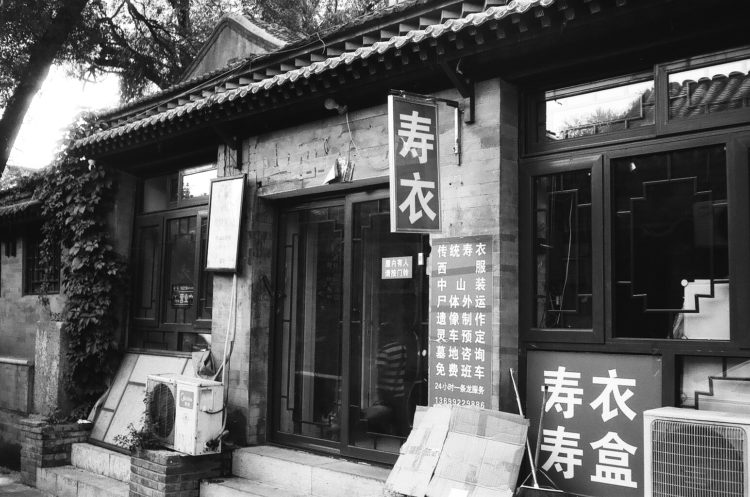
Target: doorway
(351, 331)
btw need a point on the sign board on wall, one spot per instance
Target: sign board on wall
(224, 216)
(414, 165)
(592, 440)
(396, 268)
(461, 296)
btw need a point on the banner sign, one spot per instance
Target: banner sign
(592, 440)
(224, 216)
(414, 165)
(461, 296)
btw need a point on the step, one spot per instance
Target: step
(240, 487)
(69, 481)
(101, 461)
(308, 474)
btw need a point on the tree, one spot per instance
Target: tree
(148, 43)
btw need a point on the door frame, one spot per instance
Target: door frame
(342, 447)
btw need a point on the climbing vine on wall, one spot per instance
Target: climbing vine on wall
(77, 196)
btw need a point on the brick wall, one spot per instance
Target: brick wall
(47, 446)
(19, 313)
(162, 473)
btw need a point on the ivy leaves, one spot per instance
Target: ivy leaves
(77, 196)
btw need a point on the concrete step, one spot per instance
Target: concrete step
(101, 461)
(308, 474)
(69, 481)
(240, 487)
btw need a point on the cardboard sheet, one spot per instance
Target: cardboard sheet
(460, 452)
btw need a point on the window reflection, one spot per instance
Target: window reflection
(598, 112)
(670, 242)
(709, 90)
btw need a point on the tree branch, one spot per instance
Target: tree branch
(42, 55)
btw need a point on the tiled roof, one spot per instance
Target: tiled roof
(209, 99)
(19, 209)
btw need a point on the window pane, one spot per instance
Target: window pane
(670, 245)
(311, 323)
(197, 184)
(597, 112)
(715, 383)
(179, 271)
(156, 194)
(709, 90)
(563, 262)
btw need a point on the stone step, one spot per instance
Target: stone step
(69, 481)
(240, 487)
(308, 474)
(101, 461)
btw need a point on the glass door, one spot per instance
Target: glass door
(350, 329)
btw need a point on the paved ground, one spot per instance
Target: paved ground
(10, 485)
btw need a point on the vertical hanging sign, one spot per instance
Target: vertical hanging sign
(414, 165)
(461, 297)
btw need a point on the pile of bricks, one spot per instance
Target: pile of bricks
(48, 445)
(163, 473)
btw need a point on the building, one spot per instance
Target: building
(602, 148)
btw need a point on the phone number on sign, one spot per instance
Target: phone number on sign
(459, 402)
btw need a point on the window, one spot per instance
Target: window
(172, 293)
(670, 240)
(708, 90)
(660, 223)
(35, 275)
(565, 271)
(705, 91)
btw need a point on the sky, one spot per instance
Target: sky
(61, 98)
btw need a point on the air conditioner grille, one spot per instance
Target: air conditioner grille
(697, 459)
(162, 410)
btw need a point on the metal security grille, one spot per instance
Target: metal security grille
(693, 459)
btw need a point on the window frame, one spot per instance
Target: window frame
(528, 173)
(666, 125)
(32, 240)
(537, 145)
(196, 208)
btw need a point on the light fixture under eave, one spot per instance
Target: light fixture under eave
(331, 104)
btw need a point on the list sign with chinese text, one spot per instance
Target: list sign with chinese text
(592, 440)
(461, 297)
(414, 165)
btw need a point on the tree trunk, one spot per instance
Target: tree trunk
(42, 55)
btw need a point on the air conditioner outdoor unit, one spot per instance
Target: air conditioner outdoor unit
(695, 453)
(185, 412)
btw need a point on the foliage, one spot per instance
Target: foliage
(12, 177)
(138, 438)
(310, 17)
(143, 437)
(76, 197)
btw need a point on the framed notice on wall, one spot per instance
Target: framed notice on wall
(224, 215)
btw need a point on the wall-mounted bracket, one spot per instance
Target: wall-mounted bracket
(232, 142)
(465, 88)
